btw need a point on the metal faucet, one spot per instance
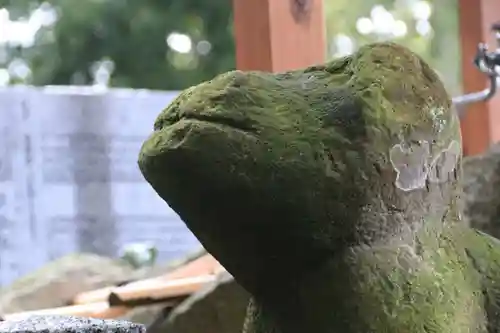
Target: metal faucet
(487, 63)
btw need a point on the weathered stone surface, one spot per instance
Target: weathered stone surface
(68, 324)
(331, 195)
(220, 308)
(482, 191)
(58, 282)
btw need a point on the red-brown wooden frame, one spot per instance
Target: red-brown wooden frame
(481, 124)
(279, 35)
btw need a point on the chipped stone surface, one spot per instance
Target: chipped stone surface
(411, 165)
(68, 324)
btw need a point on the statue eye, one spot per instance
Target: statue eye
(345, 114)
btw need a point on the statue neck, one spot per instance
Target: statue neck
(307, 304)
(325, 299)
(258, 320)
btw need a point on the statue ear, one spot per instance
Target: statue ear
(411, 165)
(445, 163)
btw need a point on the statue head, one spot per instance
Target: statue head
(276, 173)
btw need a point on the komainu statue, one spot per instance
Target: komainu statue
(331, 194)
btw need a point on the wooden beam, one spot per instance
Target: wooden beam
(278, 35)
(205, 265)
(161, 290)
(481, 124)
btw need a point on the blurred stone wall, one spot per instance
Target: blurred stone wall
(69, 180)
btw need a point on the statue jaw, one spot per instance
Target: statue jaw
(237, 216)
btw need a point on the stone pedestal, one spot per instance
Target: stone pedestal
(68, 324)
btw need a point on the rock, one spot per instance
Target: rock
(220, 308)
(148, 315)
(58, 282)
(482, 191)
(68, 324)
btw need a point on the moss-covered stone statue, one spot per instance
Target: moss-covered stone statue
(332, 195)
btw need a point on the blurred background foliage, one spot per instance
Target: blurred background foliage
(172, 44)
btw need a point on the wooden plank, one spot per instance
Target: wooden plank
(481, 123)
(278, 35)
(157, 289)
(94, 296)
(205, 265)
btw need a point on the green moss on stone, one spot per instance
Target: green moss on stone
(331, 194)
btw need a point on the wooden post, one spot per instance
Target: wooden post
(278, 35)
(481, 124)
